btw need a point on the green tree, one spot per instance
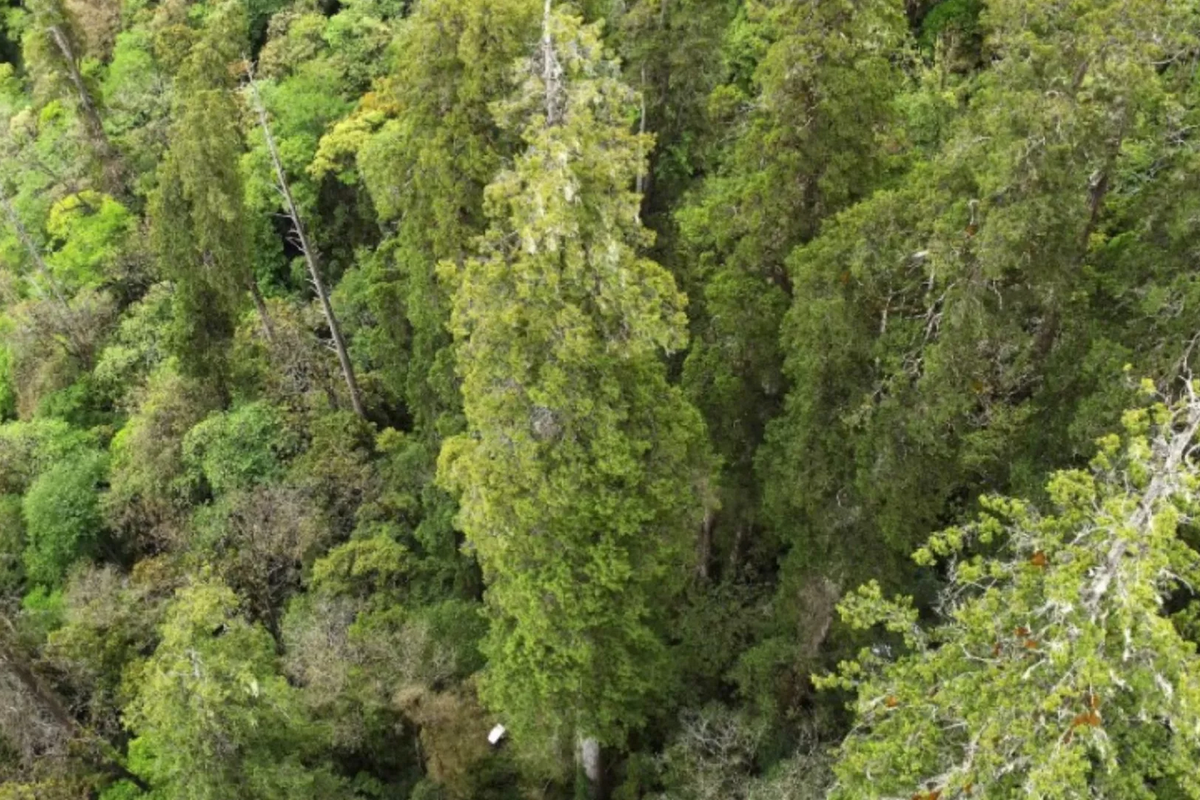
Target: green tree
(63, 522)
(576, 476)
(198, 219)
(426, 145)
(960, 332)
(813, 141)
(214, 718)
(1054, 669)
(240, 448)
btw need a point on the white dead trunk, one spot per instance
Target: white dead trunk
(587, 753)
(310, 256)
(113, 169)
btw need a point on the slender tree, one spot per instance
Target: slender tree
(198, 220)
(302, 242)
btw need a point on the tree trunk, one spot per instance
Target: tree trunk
(260, 305)
(587, 755)
(113, 170)
(49, 702)
(310, 256)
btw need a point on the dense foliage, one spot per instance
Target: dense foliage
(374, 373)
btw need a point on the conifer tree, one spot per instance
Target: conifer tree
(425, 144)
(435, 149)
(961, 330)
(1054, 670)
(197, 212)
(576, 474)
(806, 132)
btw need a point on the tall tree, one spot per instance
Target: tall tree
(959, 332)
(807, 131)
(198, 221)
(426, 145)
(1054, 670)
(577, 473)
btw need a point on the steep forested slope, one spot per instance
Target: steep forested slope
(377, 372)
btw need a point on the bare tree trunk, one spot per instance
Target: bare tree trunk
(587, 754)
(310, 256)
(112, 167)
(49, 702)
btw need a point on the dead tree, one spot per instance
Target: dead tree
(301, 240)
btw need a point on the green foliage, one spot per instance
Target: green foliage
(240, 448)
(957, 18)
(575, 474)
(938, 329)
(41, 613)
(807, 137)
(199, 227)
(673, 319)
(214, 717)
(90, 231)
(429, 129)
(1052, 652)
(108, 624)
(366, 568)
(63, 522)
(12, 545)
(27, 449)
(149, 484)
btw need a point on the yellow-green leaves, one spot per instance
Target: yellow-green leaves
(575, 476)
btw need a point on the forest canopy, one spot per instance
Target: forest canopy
(605, 400)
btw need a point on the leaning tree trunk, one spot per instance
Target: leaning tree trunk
(112, 168)
(310, 256)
